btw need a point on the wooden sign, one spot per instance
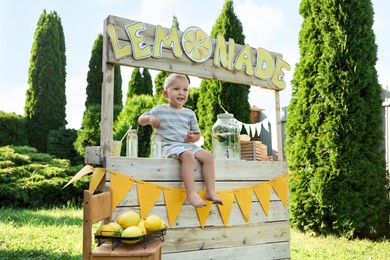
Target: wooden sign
(192, 52)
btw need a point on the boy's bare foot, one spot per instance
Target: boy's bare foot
(212, 196)
(195, 200)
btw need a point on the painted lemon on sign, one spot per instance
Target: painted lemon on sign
(196, 44)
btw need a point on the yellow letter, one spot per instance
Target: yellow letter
(244, 58)
(140, 49)
(119, 52)
(277, 79)
(265, 65)
(220, 53)
(161, 40)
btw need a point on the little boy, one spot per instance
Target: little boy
(178, 128)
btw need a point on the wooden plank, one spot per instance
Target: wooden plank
(280, 250)
(169, 169)
(190, 239)
(189, 218)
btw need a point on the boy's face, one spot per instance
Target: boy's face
(177, 93)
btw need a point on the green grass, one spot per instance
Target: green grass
(57, 234)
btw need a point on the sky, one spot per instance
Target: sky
(270, 24)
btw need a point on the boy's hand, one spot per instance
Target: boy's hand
(154, 121)
(191, 137)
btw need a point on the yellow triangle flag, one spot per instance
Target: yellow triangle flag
(174, 199)
(84, 171)
(203, 212)
(263, 194)
(281, 188)
(148, 194)
(244, 200)
(227, 198)
(97, 176)
(120, 185)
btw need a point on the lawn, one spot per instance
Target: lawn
(57, 234)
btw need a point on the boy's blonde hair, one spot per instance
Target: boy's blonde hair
(168, 81)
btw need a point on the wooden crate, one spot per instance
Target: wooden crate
(254, 151)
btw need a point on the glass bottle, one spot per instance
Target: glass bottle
(155, 145)
(132, 143)
(226, 138)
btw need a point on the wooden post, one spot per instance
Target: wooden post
(107, 99)
(278, 127)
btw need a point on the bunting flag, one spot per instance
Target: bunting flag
(263, 194)
(247, 129)
(84, 171)
(203, 212)
(120, 185)
(227, 198)
(244, 200)
(97, 176)
(265, 124)
(251, 129)
(148, 194)
(280, 186)
(174, 199)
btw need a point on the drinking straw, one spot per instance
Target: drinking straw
(126, 133)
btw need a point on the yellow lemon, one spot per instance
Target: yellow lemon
(196, 44)
(153, 223)
(133, 231)
(115, 225)
(141, 225)
(131, 218)
(106, 230)
(163, 224)
(245, 138)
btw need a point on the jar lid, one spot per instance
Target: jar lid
(225, 115)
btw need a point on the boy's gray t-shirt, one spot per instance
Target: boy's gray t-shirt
(174, 123)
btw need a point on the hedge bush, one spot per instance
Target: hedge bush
(12, 129)
(29, 179)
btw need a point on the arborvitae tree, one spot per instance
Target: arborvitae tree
(147, 82)
(334, 123)
(214, 93)
(135, 86)
(134, 107)
(89, 134)
(95, 77)
(159, 86)
(192, 102)
(45, 97)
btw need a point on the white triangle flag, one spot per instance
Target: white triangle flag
(239, 125)
(253, 128)
(247, 128)
(265, 123)
(258, 128)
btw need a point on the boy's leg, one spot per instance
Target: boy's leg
(207, 161)
(187, 173)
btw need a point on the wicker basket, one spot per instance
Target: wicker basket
(254, 150)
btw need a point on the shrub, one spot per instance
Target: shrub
(60, 144)
(12, 129)
(32, 179)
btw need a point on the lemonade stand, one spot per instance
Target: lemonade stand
(253, 223)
